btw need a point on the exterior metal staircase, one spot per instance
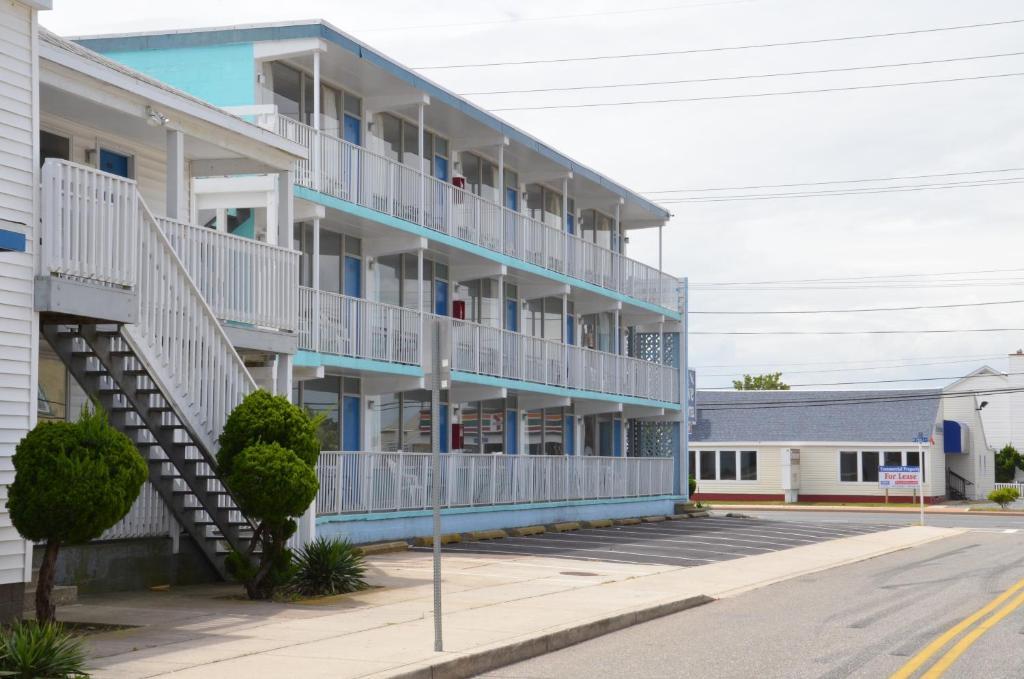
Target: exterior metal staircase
(956, 486)
(164, 371)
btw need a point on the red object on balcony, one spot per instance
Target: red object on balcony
(459, 309)
(459, 181)
(456, 437)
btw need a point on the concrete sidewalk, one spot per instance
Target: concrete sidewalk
(497, 609)
(980, 509)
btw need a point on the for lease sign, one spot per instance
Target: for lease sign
(899, 477)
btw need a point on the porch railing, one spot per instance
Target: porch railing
(348, 326)
(242, 279)
(492, 351)
(390, 482)
(353, 173)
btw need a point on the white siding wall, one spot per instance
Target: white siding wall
(18, 322)
(977, 463)
(819, 470)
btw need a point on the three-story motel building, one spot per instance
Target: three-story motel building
(411, 206)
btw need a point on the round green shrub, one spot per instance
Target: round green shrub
(1004, 496)
(264, 418)
(271, 483)
(73, 480)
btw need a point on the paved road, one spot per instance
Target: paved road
(684, 543)
(864, 620)
(961, 520)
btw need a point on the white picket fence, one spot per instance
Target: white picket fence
(361, 482)
(1018, 486)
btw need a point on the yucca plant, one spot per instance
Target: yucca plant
(328, 566)
(34, 650)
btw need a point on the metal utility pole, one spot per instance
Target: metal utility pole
(438, 381)
(920, 440)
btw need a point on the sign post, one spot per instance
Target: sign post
(920, 440)
(439, 379)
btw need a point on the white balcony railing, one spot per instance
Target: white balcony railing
(500, 353)
(356, 174)
(243, 280)
(348, 326)
(387, 482)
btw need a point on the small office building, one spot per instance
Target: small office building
(827, 446)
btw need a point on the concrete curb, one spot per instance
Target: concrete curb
(626, 522)
(446, 539)
(564, 527)
(597, 523)
(471, 664)
(525, 531)
(384, 547)
(865, 510)
(495, 534)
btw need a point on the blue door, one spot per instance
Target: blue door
(570, 330)
(353, 277)
(441, 298)
(351, 438)
(512, 315)
(570, 224)
(511, 433)
(604, 438)
(617, 442)
(351, 131)
(445, 428)
(441, 168)
(114, 163)
(512, 198)
(570, 435)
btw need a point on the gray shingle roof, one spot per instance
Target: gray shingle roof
(841, 416)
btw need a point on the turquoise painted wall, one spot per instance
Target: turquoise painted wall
(363, 528)
(224, 75)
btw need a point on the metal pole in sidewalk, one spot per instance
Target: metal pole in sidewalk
(435, 474)
(920, 440)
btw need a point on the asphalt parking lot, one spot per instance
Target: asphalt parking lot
(683, 543)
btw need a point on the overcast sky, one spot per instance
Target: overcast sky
(889, 132)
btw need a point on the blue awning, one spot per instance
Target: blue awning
(954, 437)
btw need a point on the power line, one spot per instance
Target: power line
(834, 181)
(865, 278)
(858, 311)
(832, 362)
(922, 285)
(857, 399)
(559, 17)
(853, 332)
(705, 50)
(578, 88)
(847, 384)
(966, 184)
(861, 369)
(757, 95)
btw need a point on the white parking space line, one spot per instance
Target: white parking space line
(568, 552)
(612, 546)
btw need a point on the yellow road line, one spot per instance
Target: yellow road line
(939, 668)
(935, 646)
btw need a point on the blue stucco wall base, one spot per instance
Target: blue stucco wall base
(364, 528)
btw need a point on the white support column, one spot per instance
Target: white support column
(618, 228)
(565, 203)
(317, 165)
(285, 209)
(420, 298)
(422, 170)
(660, 230)
(501, 191)
(175, 208)
(316, 282)
(661, 342)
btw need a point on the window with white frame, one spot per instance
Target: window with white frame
(861, 466)
(724, 465)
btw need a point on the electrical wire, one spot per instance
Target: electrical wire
(856, 398)
(864, 278)
(846, 384)
(966, 184)
(705, 50)
(832, 362)
(845, 370)
(853, 332)
(856, 311)
(757, 95)
(651, 83)
(560, 17)
(834, 181)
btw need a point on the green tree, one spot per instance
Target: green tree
(1004, 496)
(72, 482)
(1008, 461)
(267, 459)
(761, 382)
